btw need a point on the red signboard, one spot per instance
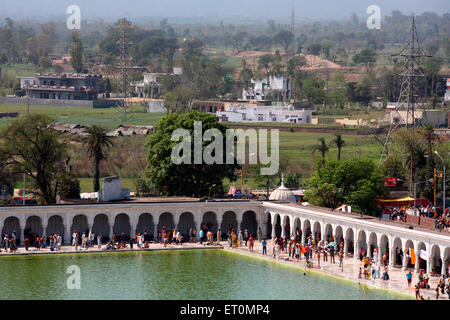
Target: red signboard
(390, 182)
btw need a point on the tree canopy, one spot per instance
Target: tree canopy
(353, 182)
(184, 179)
(31, 147)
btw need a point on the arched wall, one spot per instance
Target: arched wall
(33, 225)
(249, 223)
(145, 224)
(122, 224)
(55, 225)
(101, 225)
(229, 222)
(210, 220)
(10, 225)
(166, 220)
(80, 224)
(185, 224)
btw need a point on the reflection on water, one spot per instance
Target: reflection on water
(193, 274)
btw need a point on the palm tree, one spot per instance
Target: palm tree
(321, 147)
(97, 142)
(339, 144)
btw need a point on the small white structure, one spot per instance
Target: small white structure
(112, 190)
(447, 93)
(261, 87)
(282, 193)
(250, 113)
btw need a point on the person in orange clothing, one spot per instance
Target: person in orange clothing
(251, 242)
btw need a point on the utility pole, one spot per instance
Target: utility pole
(443, 182)
(434, 179)
(410, 94)
(124, 29)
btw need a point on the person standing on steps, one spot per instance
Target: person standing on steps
(264, 247)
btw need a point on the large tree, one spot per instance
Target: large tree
(238, 41)
(185, 179)
(285, 38)
(97, 143)
(76, 52)
(31, 147)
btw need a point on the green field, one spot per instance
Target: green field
(84, 116)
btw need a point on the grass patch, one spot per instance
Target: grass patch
(84, 116)
(87, 184)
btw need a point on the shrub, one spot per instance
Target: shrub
(69, 186)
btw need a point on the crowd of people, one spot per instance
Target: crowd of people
(442, 287)
(442, 217)
(9, 242)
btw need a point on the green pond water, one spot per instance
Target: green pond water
(190, 274)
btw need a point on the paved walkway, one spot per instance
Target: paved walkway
(397, 278)
(396, 282)
(152, 247)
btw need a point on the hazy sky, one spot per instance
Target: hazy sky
(305, 10)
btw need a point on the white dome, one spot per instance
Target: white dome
(282, 194)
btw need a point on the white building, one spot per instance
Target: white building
(262, 87)
(150, 87)
(246, 113)
(447, 93)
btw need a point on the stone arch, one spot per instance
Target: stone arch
(317, 231)
(122, 224)
(79, 223)
(55, 224)
(297, 224)
(350, 240)
(397, 251)
(408, 263)
(298, 229)
(306, 228)
(435, 259)
(101, 225)
(33, 225)
(446, 260)
(287, 226)
(10, 225)
(185, 224)
(422, 263)
(249, 223)
(328, 233)
(339, 235)
(362, 240)
(229, 221)
(373, 243)
(146, 224)
(166, 220)
(277, 219)
(210, 221)
(384, 246)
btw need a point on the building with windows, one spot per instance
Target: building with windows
(61, 86)
(150, 87)
(251, 113)
(274, 85)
